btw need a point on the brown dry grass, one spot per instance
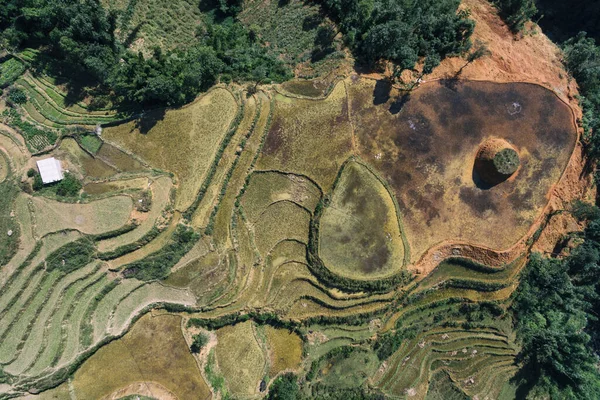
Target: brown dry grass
(427, 150)
(310, 137)
(183, 141)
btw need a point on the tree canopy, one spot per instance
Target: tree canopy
(78, 37)
(402, 31)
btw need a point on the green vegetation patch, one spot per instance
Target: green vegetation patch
(360, 235)
(344, 367)
(36, 138)
(9, 228)
(10, 70)
(71, 256)
(148, 23)
(158, 265)
(293, 29)
(506, 161)
(91, 143)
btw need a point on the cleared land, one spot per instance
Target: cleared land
(78, 160)
(425, 147)
(359, 230)
(183, 141)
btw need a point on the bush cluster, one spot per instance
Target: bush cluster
(158, 265)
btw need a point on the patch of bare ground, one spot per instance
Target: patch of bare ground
(529, 57)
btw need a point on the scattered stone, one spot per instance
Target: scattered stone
(10, 232)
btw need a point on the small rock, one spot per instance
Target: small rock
(10, 232)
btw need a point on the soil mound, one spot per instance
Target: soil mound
(496, 161)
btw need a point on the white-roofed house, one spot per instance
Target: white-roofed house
(50, 170)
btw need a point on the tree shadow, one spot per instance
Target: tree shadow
(132, 36)
(399, 103)
(381, 92)
(74, 81)
(479, 182)
(524, 381)
(451, 83)
(149, 119)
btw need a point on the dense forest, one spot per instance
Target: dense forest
(402, 31)
(78, 39)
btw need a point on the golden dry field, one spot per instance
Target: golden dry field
(285, 350)
(164, 139)
(314, 225)
(241, 358)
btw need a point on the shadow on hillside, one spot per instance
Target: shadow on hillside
(149, 119)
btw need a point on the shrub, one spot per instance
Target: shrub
(516, 12)
(31, 172)
(200, 340)
(71, 256)
(38, 184)
(69, 186)
(284, 388)
(17, 96)
(158, 265)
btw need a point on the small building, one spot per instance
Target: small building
(50, 170)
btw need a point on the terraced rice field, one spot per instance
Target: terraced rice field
(201, 126)
(359, 231)
(260, 180)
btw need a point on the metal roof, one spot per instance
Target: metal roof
(50, 170)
